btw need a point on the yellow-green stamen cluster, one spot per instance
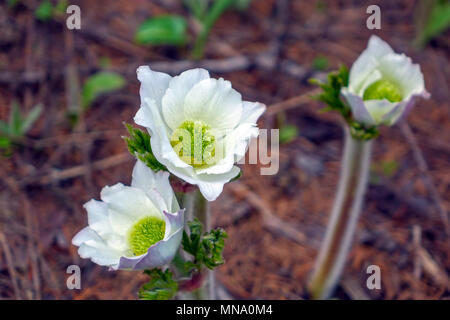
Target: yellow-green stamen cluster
(194, 143)
(145, 233)
(383, 89)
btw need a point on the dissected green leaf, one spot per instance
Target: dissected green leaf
(168, 29)
(98, 84)
(213, 244)
(206, 248)
(44, 11)
(331, 95)
(161, 286)
(138, 144)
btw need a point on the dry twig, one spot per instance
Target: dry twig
(426, 177)
(270, 221)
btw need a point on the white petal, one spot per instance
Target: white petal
(402, 110)
(399, 69)
(210, 190)
(121, 222)
(86, 234)
(98, 216)
(153, 84)
(252, 111)
(92, 246)
(174, 221)
(379, 108)
(100, 255)
(173, 100)
(359, 110)
(215, 102)
(149, 181)
(367, 61)
(211, 185)
(126, 206)
(161, 147)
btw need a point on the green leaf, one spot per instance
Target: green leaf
(197, 7)
(160, 287)
(15, 120)
(191, 242)
(331, 95)
(139, 146)
(242, 4)
(437, 21)
(4, 128)
(5, 142)
(30, 119)
(44, 11)
(61, 7)
(168, 29)
(206, 248)
(237, 177)
(12, 3)
(288, 133)
(213, 244)
(98, 84)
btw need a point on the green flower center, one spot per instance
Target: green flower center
(194, 143)
(145, 233)
(383, 89)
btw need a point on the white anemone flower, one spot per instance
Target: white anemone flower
(133, 227)
(383, 86)
(199, 126)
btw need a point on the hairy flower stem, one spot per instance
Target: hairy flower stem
(202, 213)
(347, 206)
(198, 207)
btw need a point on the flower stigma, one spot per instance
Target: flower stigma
(194, 143)
(383, 89)
(145, 233)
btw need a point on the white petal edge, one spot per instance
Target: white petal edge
(173, 100)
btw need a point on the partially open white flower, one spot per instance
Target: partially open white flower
(135, 227)
(199, 126)
(383, 85)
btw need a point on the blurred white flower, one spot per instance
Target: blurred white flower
(383, 85)
(199, 126)
(135, 227)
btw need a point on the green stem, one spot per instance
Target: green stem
(198, 207)
(218, 8)
(202, 213)
(347, 206)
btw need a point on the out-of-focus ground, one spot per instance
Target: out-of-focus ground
(275, 223)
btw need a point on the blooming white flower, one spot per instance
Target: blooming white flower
(135, 227)
(199, 126)
(383, 85)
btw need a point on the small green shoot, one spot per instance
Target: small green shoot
(17, 126)
(98, 84)
(320, 63)
(163, 30)
(432, 19)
